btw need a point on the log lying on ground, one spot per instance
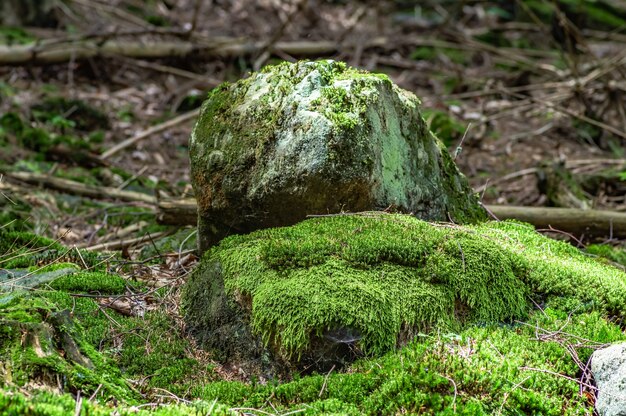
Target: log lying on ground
(579, 222)
(177, 212)
(590, 223)
(43, 53)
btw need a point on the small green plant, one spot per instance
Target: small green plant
(15, 36)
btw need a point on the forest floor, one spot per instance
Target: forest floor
(503, 90)
(517, 98)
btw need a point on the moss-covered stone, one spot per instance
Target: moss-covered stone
(314, 138)
(372, 281)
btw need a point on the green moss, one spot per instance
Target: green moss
(481, 371)
(37, 328)
(10, 35)
(614, 254)
(12, 123)
(90, 282)
(429, 53)
(386, 276)
(446, 127)
(44, 403)
(20, 249)
(81, 115)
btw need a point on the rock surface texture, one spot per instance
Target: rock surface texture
(608, 366)
(317, 138)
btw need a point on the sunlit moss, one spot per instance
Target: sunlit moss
(387, 276)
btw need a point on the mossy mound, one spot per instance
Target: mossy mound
(42, 343)
(483, 370)
(330, 288)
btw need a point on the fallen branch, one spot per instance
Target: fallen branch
(592, 223)
(589, 222)
(177, 212)
(575, 221)
(46, 53)
(77, 188)
(126, 243)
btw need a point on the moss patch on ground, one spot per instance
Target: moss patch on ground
(387, 277)
(57, 330)
(484, 370)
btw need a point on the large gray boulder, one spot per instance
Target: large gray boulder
(317, 138)
(608, 366)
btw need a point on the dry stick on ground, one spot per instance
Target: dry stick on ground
(513, 175)
(62, 51)
(77, 188)
(120, 244)
(201, 79)
(571, 113)
(541, 370)
(148, 132)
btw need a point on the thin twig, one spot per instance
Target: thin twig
(325, 381)
(455, 392)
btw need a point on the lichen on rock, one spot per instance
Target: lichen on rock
(329, 289)
(317, 138)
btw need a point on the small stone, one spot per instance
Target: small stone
(608, 366)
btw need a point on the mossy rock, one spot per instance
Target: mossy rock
(318, 138)
(329, 289)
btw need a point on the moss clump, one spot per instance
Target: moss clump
(483, 370)
(22, 249)
(49, 329)
(49, 404)
(385, 277)
(80, 115)
(90, 282)
(41, 341)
